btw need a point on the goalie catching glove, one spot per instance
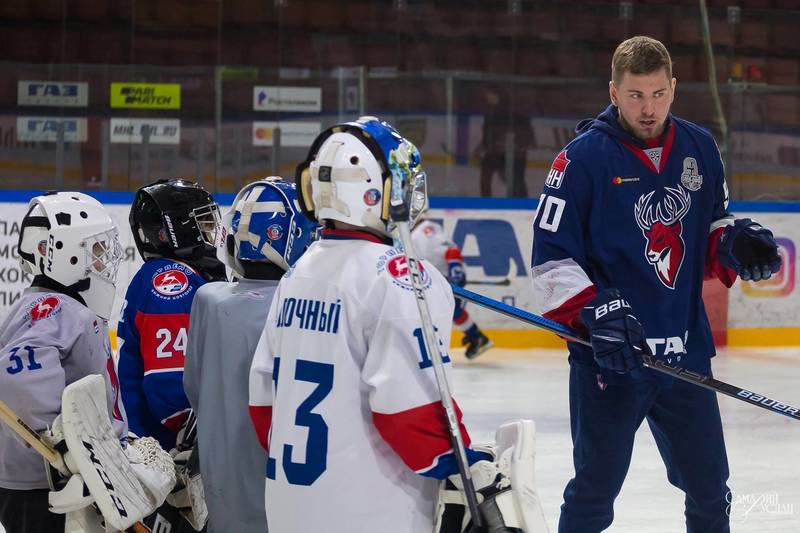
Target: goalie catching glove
(125, 484)
(505, 487)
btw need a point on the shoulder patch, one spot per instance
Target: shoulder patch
(44, 307)
(556, 175)
(395, 264)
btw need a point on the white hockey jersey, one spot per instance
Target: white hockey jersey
(47, 341)
(431, 243)
(342, 378)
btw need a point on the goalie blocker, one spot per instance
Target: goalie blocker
(125, 484)
(506, 488)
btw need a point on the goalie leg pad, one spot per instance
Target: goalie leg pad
(506, 489)
(189, 496)
(96, 454)
(516, 457)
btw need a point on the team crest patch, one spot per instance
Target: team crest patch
(44, 308)
(395, 264)
(274, 232)
(556, 175)
(661, 223)
(171, 282)
(372, 197)
(690, 177)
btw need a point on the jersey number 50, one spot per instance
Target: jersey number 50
(307, 472)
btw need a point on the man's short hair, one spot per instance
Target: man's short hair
(640, 55)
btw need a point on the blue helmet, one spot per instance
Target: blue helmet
(265, 223)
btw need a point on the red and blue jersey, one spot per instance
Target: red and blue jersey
(152, 332)
(617, 212)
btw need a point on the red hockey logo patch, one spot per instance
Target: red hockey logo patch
(44, 308)
(171, 283)
(397, 267)
(556, 175)
(274, 232)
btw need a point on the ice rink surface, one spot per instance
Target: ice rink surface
(762, 447)
(506, 384)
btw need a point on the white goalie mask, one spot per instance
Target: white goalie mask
(70, 238)
(348, 175)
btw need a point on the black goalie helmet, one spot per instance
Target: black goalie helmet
(174, 218)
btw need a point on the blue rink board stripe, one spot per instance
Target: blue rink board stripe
(438, 202)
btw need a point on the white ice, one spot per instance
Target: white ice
(765, 474)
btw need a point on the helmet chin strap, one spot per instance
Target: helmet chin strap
(40, 280)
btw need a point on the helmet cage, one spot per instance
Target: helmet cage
(103, 255)
(208, 220)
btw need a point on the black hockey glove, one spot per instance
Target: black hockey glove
(456, 274)
(617, 336)
(749, 248)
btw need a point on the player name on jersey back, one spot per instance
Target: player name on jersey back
(314, 315)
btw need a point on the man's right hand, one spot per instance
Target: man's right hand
(617, 336)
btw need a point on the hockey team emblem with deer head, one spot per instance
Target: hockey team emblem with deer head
(662, 226)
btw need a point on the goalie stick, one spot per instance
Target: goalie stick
(701, 380)
(35, 441)
(499, 283)
(399, 209)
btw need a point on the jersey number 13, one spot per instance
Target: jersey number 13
(316, 460)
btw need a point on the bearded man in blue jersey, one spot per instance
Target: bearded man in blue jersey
(633, 217)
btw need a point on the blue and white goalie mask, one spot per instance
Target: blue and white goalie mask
(348, 175)
(265, 223)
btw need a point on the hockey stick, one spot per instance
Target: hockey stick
(500, 283)
(399, 209)
(35, 441)
(701, 380)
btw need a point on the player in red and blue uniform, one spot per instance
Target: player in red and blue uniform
(633, 217)
(174, 225)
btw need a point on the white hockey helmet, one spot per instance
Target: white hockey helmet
(348, 173)
(70, 238)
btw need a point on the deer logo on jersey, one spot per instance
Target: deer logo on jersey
(662, 226)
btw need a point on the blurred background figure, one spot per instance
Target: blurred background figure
(503, 148)
(432, 244)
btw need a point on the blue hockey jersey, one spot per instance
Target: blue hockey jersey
(152, 332)
(646, 220)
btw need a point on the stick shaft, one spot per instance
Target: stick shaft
(432, 347)
(26, 433)
(701, 380)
